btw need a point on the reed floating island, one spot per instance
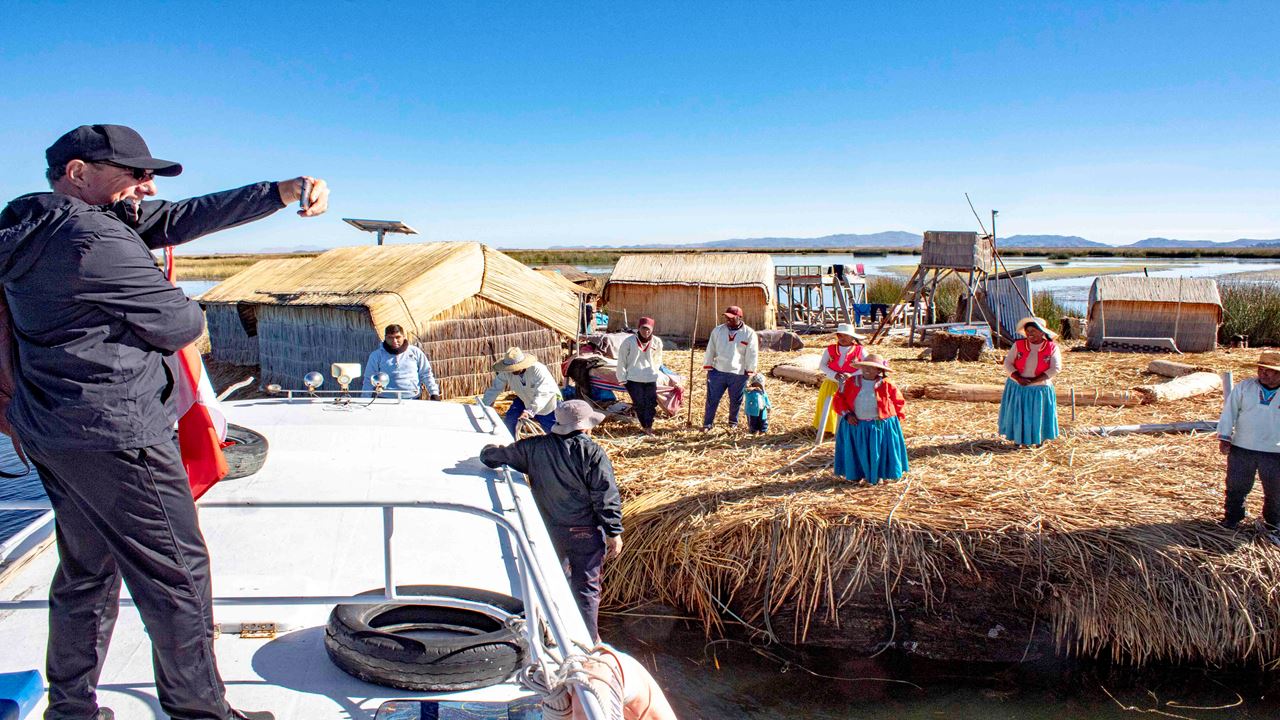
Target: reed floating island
(1088, 546)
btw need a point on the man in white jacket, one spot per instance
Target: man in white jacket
(1249, 435)
(536, 389)
(732, 352)
(639, 364)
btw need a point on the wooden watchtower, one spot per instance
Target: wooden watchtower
(967, 255)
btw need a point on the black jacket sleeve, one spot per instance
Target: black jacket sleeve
(118, 275)
(163, 223)
(606, 502)
(512, 455)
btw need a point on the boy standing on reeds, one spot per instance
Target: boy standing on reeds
(639, 362)
(732, 353)
(1249, 435)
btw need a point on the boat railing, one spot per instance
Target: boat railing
(540, 607)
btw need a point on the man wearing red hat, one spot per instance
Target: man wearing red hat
(732, 352)
(639, 365)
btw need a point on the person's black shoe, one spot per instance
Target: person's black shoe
(1226, 524)
(252, 715)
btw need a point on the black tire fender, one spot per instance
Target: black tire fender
(472, 649)
(246, 452)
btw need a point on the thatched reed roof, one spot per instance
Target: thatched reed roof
(564, 282)
(245, 285)
(705, 269)
(412, 283)
(1160, 290)
(568, 272)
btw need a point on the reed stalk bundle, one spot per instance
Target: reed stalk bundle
(1100, 546)
(1181, 388)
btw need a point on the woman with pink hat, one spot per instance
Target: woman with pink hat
(838, 364)
(869, 443)
(1029, 406)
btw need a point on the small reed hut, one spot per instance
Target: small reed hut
(464, 304)
(229, 309)
(1146, 313)
(674, 289)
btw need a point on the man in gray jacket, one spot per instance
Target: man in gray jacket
(96, 323)
(573, 485)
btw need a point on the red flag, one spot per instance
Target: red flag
(198, 432)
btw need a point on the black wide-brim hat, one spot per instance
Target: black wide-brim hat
(114, 144)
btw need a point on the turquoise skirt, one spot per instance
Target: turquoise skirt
(1028, 415)
(872, 450)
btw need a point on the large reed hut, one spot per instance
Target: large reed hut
(674, 289)
(229, 309)
(1154, 313)
(464, 304)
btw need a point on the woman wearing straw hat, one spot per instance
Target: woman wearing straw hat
(838, 364)
(869, 443)
(1029, 406)
(536, 389)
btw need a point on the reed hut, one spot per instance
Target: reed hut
(1180, 314)
(229, 309)
(960, 251)
(464, 304)
(681, 290)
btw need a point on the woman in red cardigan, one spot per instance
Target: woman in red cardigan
(869, 443)
(838, 365)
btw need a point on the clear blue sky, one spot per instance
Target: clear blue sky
(535, 124)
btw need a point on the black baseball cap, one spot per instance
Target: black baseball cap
(115, 144)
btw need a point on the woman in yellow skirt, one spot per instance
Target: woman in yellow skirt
(839, 363)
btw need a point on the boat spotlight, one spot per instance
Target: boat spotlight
(312, 380)
(274, 388)
(380, 381)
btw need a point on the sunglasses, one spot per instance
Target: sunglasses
(138, 174)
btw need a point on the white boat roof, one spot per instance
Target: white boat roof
(387, 452)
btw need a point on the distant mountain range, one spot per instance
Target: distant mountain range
(902, 239)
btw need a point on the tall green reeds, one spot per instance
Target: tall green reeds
(1045, 306)
(1251, 309)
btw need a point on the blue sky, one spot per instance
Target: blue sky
(536, 124)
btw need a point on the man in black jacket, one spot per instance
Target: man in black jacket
(573, 485)
(95, 322)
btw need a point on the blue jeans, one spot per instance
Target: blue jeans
(517, 409)
(718, 383)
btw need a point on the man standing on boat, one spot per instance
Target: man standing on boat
(573, 485)
(732, 352)
(406, 365)
(1249, 435)
(95, 323)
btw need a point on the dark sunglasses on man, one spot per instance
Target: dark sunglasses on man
(138, 173)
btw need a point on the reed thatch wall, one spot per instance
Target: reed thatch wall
(466, 340)
(673, 288)
(1188, 310)
(674, 307)
(228, 340)
(293, 341)
(958, 250)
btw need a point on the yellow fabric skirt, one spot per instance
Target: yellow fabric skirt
(826, 390)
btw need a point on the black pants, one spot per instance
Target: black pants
(1242, 466)
(581, 550)
(129, 514)
(644, 398)
(758, 423)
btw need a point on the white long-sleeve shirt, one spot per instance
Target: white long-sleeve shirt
(1246, 422)
(537, 388)
(639, 364)
(1033, 361)
(732, 351)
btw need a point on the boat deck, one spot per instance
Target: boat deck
(388, 452)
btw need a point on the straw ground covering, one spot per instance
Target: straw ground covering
(1088, 545)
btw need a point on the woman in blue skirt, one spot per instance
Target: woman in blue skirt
(1029, 406)
(869, 442)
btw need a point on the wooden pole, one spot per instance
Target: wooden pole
(693, 339)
